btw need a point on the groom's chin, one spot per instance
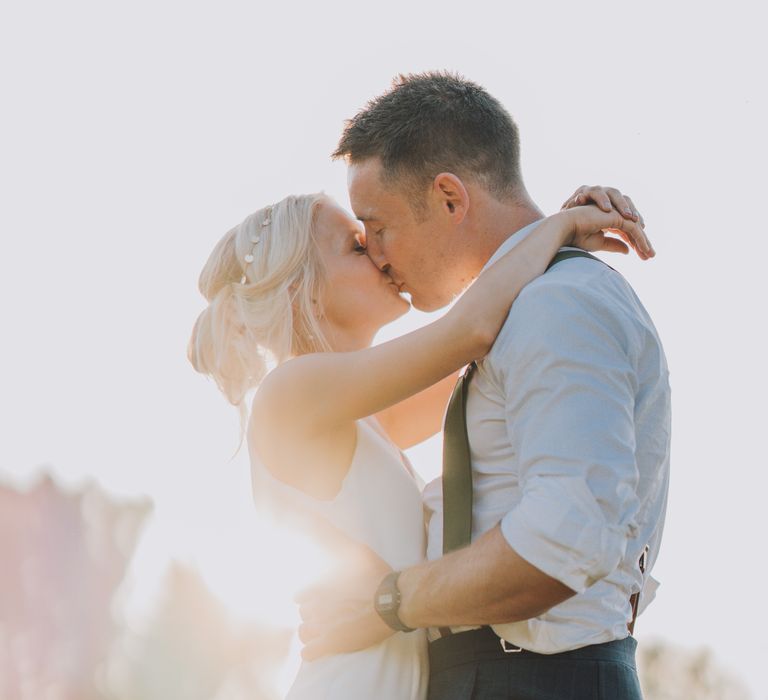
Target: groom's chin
(427, 304)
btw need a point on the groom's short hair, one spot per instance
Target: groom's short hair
(429, 123)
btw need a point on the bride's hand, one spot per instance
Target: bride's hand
(606, 198)
(586, 227)
(337, 613)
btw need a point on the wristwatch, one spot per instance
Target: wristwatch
(387, 602)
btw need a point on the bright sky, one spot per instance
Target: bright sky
(135, 134)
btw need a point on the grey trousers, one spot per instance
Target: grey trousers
(472, 666)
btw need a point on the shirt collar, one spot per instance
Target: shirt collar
(511, 242)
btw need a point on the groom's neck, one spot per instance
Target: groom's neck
(495, 221)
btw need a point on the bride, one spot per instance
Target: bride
(292, 284)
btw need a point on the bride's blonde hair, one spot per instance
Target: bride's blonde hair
(262, 282)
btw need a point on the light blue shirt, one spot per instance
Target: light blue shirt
(568, 420)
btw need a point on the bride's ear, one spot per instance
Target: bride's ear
(452, 196)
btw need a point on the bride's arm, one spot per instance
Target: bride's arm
(322, 391)
(419, 417)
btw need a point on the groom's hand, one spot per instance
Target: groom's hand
(338, 614)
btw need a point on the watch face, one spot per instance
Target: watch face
(385, 601)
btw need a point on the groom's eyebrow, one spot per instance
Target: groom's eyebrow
(365, 218)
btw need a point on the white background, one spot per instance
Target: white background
(135, 134)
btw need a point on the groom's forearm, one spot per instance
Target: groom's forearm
(485, 583)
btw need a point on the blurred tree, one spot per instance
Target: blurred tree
(668, 672)
(192, 650)
(62, 557)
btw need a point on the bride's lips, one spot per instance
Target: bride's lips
(399, 288)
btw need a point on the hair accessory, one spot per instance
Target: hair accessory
(255, 239)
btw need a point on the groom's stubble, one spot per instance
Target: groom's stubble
(436, 249)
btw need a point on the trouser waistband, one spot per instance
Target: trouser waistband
(484, 644)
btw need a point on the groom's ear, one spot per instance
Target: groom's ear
(452, 196)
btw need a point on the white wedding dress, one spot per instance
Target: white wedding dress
(380, 505)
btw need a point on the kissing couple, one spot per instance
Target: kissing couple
(520, 572)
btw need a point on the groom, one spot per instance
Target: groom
(567, 423)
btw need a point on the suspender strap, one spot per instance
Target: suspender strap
(634, 599)
(457, 469)
(568, 254)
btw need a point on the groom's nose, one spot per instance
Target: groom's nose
(377, 257)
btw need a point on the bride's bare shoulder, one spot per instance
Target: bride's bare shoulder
(289, 442)
(284, 391)
(313, 461)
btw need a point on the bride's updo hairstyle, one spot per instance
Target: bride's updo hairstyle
(262, 282)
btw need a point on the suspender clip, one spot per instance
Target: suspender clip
(508, 647)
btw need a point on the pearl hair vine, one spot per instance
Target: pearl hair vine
(255, 239)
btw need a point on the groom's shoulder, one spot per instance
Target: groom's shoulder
(574, 283)
(573, 292)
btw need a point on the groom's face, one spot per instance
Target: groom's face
(415, 251)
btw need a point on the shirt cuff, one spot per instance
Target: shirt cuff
(559, 528)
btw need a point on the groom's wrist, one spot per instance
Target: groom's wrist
(416, 609)
(387, 602)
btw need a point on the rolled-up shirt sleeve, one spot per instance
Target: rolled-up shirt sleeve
(565, 357)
